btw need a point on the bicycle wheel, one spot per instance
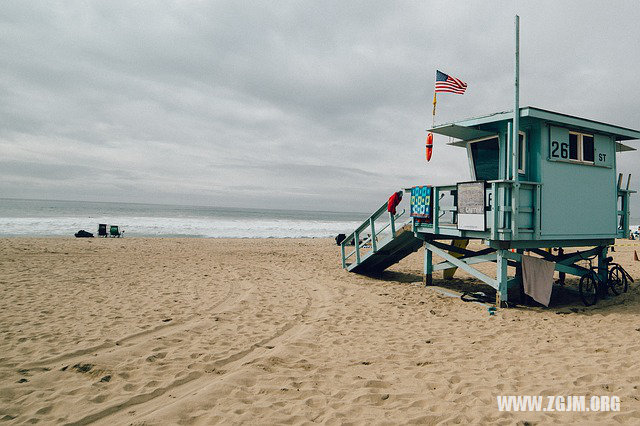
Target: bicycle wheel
(618, 280)
(588, 289)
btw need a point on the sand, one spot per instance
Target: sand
(204, 331)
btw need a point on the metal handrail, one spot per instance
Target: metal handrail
(369, 222)
(370, 237)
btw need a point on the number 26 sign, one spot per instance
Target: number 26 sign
(560, 150)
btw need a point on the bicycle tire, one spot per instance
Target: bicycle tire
(588, 289)
(617, 280)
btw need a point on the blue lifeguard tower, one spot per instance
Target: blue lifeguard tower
(539, 179)
(560, 190)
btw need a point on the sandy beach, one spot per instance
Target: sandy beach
(206, 331)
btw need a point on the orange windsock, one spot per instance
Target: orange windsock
(429, 146)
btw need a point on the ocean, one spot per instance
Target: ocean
(42, 218)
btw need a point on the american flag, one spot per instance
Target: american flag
(446, 83)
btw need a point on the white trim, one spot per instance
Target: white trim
(483, 139)
(472, 169)
(522, 170)
(580, 147)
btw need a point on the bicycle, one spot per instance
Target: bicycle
(618, 279)
(592, 286)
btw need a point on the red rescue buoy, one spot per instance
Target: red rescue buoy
(429, 146)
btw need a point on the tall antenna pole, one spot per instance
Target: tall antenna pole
(516, 107)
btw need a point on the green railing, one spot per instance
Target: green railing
(623, 213)
(372, 232)
(517, 215)
(513, 212)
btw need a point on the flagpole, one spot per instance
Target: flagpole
(433, 122)
(516, 108)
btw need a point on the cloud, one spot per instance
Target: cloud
(303, 105)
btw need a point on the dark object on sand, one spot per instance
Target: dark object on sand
(102, 230)
(340, 238)
(83, 368)
(478, 296)
(83, 234)
(115, 232)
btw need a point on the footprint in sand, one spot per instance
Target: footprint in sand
(154, 357)
(100, 398)
(376, 384)
(45, 410)
(582, 380)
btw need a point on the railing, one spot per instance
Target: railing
(518, 210)
(512, 210)
(623, 213)
(373, 233)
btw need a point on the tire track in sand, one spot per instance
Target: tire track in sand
(233, 293)
(289, 331)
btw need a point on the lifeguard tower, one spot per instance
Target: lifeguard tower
(539, 179)
(560, 190)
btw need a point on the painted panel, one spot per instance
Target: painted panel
(562, 149)
(604, 151)
(559, 146)
(577, 199)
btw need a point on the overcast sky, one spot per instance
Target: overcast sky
(304, 105)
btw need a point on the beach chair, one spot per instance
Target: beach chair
(102, 230)
(115, 232)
